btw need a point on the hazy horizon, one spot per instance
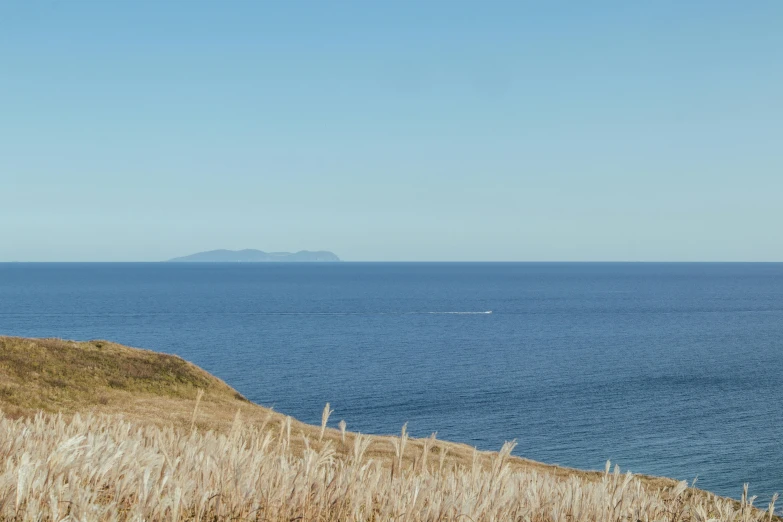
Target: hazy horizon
(433, 261)
(398, 131)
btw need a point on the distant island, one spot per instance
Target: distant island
(256, 256)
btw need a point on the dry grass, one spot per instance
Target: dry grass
(103, 468)
(67, 377)
(56, 375)
(147, 436)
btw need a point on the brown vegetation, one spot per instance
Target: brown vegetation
(134, 434)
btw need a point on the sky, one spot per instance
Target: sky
(391, 130)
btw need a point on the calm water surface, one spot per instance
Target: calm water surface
(666, 369)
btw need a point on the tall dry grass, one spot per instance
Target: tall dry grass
(104, 468)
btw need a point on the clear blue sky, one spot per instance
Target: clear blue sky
(392, 130)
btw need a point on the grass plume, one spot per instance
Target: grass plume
(98, 467)
(324, 419)
(199, 395)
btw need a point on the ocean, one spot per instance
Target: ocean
(666, 369)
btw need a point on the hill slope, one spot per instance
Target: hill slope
(62, 376)
(156, 415)
(102, 377)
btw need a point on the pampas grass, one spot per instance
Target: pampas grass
(342, 427)
(94, 468)
(324, 419)
(199, 395)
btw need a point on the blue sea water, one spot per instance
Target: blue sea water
(666, 369)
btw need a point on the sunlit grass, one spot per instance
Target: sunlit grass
(105, 468)
(148, 436)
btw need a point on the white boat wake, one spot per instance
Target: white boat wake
(462, 313)
(370, 313)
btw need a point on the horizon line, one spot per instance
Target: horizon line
(342, 261)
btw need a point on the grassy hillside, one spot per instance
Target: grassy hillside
(101, 377)
(64, 376)
(133, 434)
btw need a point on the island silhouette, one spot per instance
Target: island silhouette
(256, 256)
